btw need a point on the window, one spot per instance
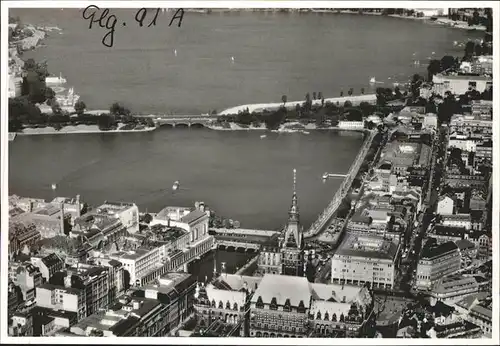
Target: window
(221, 305)
(274, 304)
(259, 304)
(287, 307)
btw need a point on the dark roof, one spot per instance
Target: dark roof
(51, 260)
(431, 250)
(122, 327)
(38, 310)
(114, 263)
(449, 231)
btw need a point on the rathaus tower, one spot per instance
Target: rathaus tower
(292, 245)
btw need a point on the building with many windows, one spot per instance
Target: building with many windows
(460, 84)
(222, 306)
(290, 306)
(362, 259)
(63, 298)
(436, 261)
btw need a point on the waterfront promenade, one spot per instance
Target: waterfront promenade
(327, 214)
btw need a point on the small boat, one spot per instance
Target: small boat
(372, 80)
(305, 132)
(54, 186)
(12, 136)
(175, 52)
(232, 59)
(176, 186)
(263, 136)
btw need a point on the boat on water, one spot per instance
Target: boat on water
(305, 132)
(54, 186)
(263, 136)
(12, 136)
(372, 80)
(176, 185)
(53, 80)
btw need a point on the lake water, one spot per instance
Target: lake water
(274, 54)
(238, 174)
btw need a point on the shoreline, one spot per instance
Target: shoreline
(255, 107)
(37, 132)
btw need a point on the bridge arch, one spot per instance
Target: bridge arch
(182, 125)
(197, 125)
(168, 125)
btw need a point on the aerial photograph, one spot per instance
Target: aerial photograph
(250, 172)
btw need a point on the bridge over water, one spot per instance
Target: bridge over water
(181, 120)
(327, 214)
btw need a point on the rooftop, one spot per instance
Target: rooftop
(68, 290)
(51, 260)
(283, 287)
(431, 251)
(193, 216)
(368, 246)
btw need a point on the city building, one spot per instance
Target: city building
(457, 220)
(130, 316)
(27, 278)
(98, 229)
(444, 234)
(127, 213)
(453, 288)
(445, 205)
(49, 220)
(351, 125)
(290, 306)
(48, 265)
(22, 236)
(436, 261)
(225, 302)
(63, 298)
(362, 259)
(460, 84)
(22, 324)
(140, 264)
(470, 124)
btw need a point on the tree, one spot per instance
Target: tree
(283, 99)
(350, 91)
(397, 93)
(29, 64)
(341, 93)
(469, 49)
(433, 68)
(347, 104)
(320, 95)
(80, 107)
(118, 109)
(369, 125)
(148, 218)
(49, 93)
(314, 95)
(447, 62)
(478, 49)
(362, 91)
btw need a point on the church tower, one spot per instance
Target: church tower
(293, 240)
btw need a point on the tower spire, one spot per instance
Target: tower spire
(294, 181)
